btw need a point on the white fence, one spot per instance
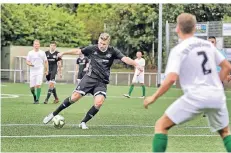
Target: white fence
(20, 73)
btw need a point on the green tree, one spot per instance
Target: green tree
(93, 16)
(22, 23)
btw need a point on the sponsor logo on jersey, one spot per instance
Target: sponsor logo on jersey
(108, 55)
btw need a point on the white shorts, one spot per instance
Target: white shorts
(36, 80)
(138, 79)
(187, 107)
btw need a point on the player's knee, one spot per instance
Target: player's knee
(51, 85)
(224, 132)
(99, 101)
(75, 96)
(159, 126)
(37, 86)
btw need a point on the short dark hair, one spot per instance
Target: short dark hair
(53, 42)
(212, 37)
(141, 52)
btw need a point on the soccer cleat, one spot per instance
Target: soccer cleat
(142, 97)
(56, 101)
(48, 118)
(126, 95)
(83, 126)
(36, 102)
(46, 101)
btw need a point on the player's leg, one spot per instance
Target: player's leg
(141, 81)
(49, 89)
(84, 87)
(79, 77)
(66, 103)
(179, 112)
(225, 135)
(38, 86)
(160, 139)
(99, 97)
(219, 121)
(53, 77)
(32, 87)
(134, 80)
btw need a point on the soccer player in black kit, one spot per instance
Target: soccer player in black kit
(95, 81)
(54, 66)
(82, 64)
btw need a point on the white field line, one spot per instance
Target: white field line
(104, 135)
(131, 126)
(114, 97)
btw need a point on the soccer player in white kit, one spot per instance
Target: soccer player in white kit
(36, 59)
(138, 75)
(194, 62)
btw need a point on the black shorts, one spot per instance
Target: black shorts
(51, 75)
(92, 86)
(81, 74)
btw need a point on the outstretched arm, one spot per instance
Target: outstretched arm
(75, 51)
(129, 61)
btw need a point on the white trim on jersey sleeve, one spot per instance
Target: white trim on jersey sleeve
(174, 62)
(218, 56)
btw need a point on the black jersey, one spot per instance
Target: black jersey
(82, 62)
(52, 60)
(101, 62)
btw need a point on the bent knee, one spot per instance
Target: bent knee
(75, 96)
(224, 132)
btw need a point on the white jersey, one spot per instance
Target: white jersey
(37, 59)
(141, 63)
(195, 61)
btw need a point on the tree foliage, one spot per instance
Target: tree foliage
(21, 24)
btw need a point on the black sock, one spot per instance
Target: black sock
(90, 114)
(33, 93)
(55, 94)
(49, 94)
(66, 103)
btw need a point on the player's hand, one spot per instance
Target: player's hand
(46, 72)
(60, 55)
(228, 78)
(31, 65)
(60, 75)
(140, 68)
(85, 69)
(148, 100)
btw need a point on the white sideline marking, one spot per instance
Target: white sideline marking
(104, 135)
(8, 96)
(117, 97)
(137, 126)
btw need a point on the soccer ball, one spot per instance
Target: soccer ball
(58, 121)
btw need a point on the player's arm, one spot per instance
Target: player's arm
(172, 72)
(87, 66)
(46, 67)
(75, 51)
(76, 69)
(45, 63)
(129, 61)
(142, 66)
(225, 70)
(166, 84)
(28, 62)
(223, 63)
(60, 68)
